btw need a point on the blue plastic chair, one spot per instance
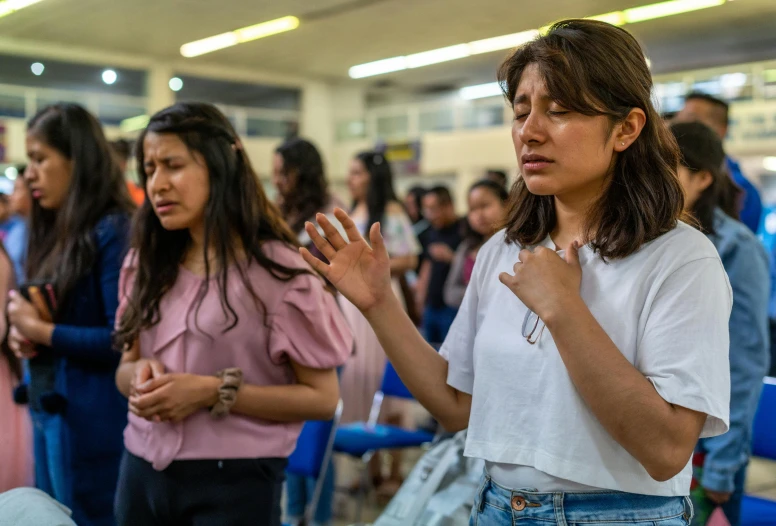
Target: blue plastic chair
(756, 511)
(362, 439)
(312, 455)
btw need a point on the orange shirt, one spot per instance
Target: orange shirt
(136, 193)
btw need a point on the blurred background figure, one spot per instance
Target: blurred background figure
(499, 177)
(15, 209)
(79, 229)
(123, 150)
(487, 208)
(16, 461)
(710, 195)
(446, 234)
(715, 113)
(303, 191)
(370, 182)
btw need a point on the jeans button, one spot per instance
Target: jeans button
(518, 503)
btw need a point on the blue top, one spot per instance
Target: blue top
(752, 205)
(15, 243)
(76, 378)
(746, 264)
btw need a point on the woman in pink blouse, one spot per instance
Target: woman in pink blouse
(230, 339)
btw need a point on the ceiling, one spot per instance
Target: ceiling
(337, 34)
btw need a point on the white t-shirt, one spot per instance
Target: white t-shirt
(666, 308)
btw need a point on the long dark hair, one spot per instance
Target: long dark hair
(701, 149)
(596, 68)
(61, 243)
(236, 209)
(380, 191)
(311, 190)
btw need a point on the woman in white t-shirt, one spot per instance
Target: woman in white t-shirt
(585, 375)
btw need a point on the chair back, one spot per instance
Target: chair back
(314, 446)
(764, 433)
(392, 384)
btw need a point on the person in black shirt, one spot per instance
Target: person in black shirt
(445, 235)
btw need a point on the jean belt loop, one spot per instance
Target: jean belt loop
(483, 490)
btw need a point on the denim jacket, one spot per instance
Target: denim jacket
(746, 264)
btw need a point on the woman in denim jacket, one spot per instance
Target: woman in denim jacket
(711, 198)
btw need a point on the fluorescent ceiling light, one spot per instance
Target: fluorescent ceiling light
(134, 123)
(617, 18)
(670, 8)
(488, 45)
(11, 6)
(435, 56)
(769, 163)
(378, 67)
(503, 42)
(481, 91)
(239, 36)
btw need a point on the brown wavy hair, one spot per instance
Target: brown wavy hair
(237, 208)
(595, 68)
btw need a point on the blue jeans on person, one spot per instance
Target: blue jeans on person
(732, 508)
(495, 505)
(299, 491)
(52, 473)
(437, 322)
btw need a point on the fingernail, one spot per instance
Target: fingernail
(11, 293)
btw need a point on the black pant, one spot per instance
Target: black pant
(230, 492)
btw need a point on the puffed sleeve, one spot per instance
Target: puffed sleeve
(308, 327)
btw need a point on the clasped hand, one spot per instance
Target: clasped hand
(158, 396)
(544, 281)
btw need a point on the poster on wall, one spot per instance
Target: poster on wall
(404, 156)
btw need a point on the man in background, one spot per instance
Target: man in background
(715, 114)
(444, 237)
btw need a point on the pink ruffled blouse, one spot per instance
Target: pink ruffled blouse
(303, 324)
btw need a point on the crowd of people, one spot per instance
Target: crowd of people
(595, 325)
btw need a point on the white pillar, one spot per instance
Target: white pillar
(159, 93)
(317, 118)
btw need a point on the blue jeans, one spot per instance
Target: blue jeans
(52, 466)
(300, 492)
(732, 508)
(498, 506)
(437, 322)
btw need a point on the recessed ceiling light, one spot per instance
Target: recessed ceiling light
(37, 68)
(175, 84)
(11, 173)
(109, 76)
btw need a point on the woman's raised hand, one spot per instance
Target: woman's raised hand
(361, 273)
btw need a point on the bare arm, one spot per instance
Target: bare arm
(421, 289)
(362, 274)
(313, 397)
(175, 396)
(661, 436)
